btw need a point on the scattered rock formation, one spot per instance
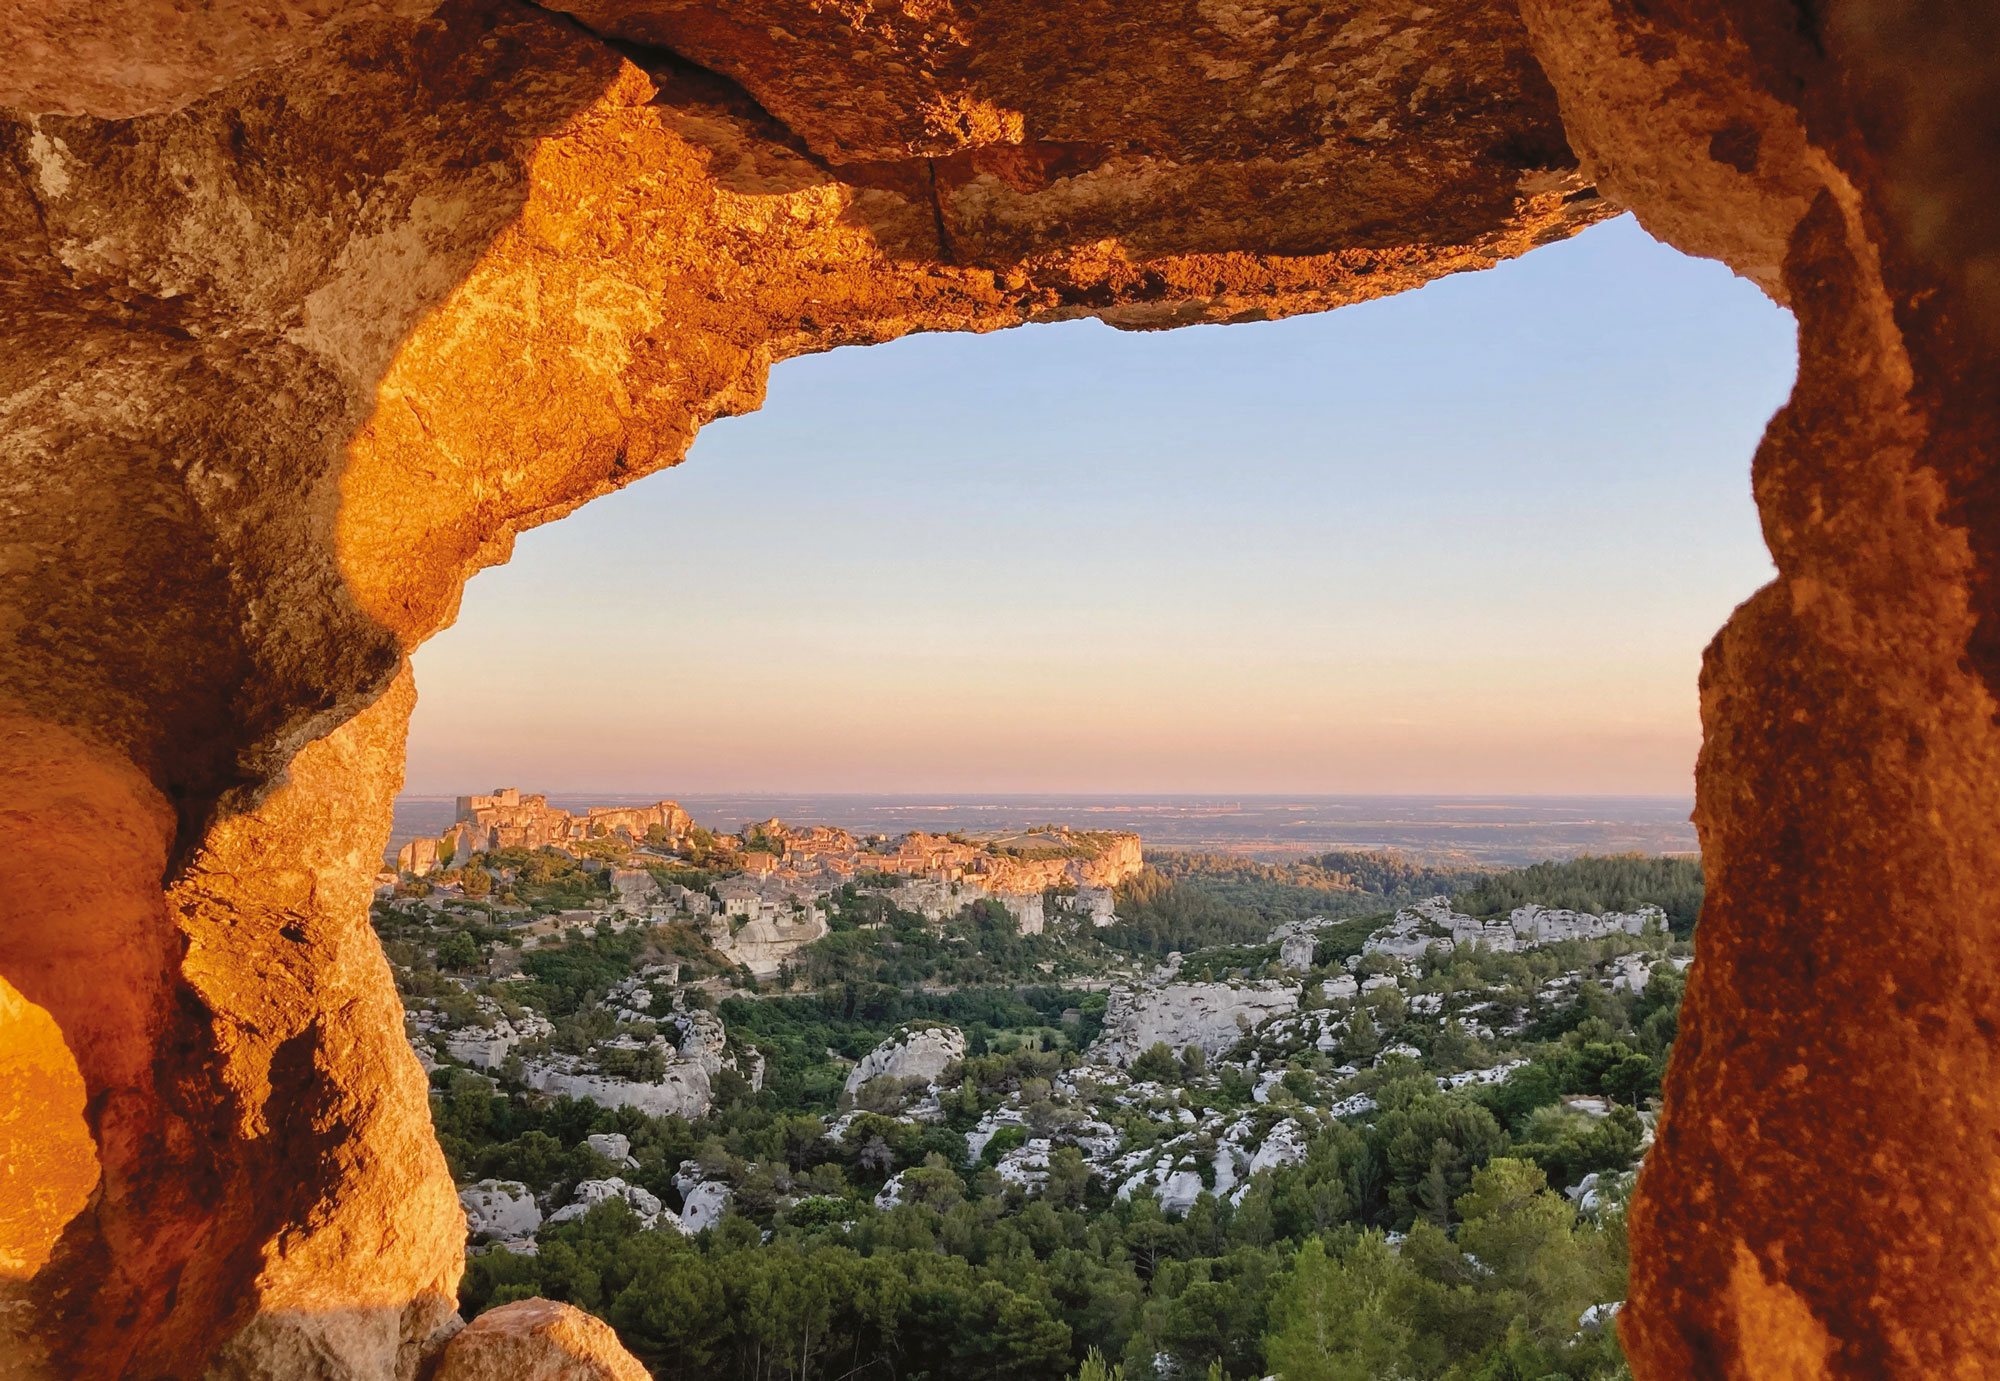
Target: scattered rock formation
(683, 1090)
(645, 1204)
(1433, 925)
(615, 1147)
(923, 1052)
(1298, 942)
(765, 940)
(312, 307)
(487, 1047)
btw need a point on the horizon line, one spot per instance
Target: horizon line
(1094, 795)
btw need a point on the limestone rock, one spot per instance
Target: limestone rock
(922, 1052)
(500, 1209)
(683, 1091)
(615, 1147)
(645, 1205)
(1284, 1144)
(634, 888)
(487, 1047)
(1213, 1016)
(768, 935)
(1027, 1165)
(1432, 924)
(537, 1340)
(703, 1206)
(1178, 1192)
(1298, 941)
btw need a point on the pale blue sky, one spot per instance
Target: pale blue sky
(1472, 538)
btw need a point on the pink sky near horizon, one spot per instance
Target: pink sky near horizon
(1471, 539)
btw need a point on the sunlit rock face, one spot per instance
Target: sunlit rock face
(1822, 1198)
(310, 308)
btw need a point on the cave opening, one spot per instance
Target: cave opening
(315, 317)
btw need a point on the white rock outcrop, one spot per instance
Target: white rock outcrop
(988, 1128)
(1178, 1193)
(1298, 941)
(615, 1147)
(703, 1206)
(763, 942)
(1213, 1016)
(683, 1091)
(1284, 1144)
(500, 1210)
(1432, 923)
(645, 1205)
(487, 1047)
(1027, 1165)
(923, 1052)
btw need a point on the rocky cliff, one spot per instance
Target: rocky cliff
(1213, 1016)
(923, 1052)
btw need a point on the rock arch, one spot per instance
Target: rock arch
(311, 307)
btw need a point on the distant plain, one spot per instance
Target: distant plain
(1501, 831)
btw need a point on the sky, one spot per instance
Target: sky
(1467, 539)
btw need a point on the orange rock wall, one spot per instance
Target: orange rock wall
(311, 307)
(1822, 1198)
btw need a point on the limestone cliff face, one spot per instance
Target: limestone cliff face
(1213, 1016)
(923, 1052)
(311, 307)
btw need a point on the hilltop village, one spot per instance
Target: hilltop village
(758, 896)
(791, 1050)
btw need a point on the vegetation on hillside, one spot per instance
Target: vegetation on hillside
(1619, 882)
(1446, 1122)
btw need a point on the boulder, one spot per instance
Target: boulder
(683, 1091)
(537, 1340)
(499, 1209)
(923, 1052)
(1179, 1191)
(703, 1206)
(615, 1147)
(1027, 1165)
(1284, 1144)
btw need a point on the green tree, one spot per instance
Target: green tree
(1337, 1316)
(457, 951)
(1095, 1368)
(1156, 1064)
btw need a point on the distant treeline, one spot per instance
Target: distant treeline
(1188, 901)
(1622, 882)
